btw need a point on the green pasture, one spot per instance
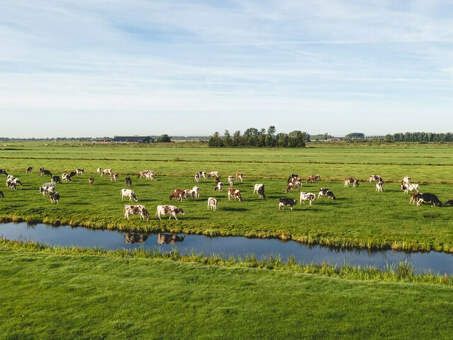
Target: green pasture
(360, 217)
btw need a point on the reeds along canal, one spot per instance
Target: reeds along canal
(224, 246)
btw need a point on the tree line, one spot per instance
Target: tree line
(260, 138)
(426, 137)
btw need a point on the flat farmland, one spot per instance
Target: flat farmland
(360, 217)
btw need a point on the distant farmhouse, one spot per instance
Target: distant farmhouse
(132, 139)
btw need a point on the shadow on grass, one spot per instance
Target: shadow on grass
(233, 209)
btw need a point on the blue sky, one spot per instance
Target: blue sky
(102, 68)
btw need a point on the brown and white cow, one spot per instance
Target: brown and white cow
(212, 203)
(239, 177)
(91, 180)
(414, 198)
(177, 194)
(106, 172)
(230, 181)
(294, 183)
(213, 174)
(113, 177)
(313, 178)
(136, 210)
(168, 210)
(353, 181)
(235, 193)
(375, 178)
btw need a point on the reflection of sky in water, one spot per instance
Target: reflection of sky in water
(226, 246)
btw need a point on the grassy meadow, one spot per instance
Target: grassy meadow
(360, 217)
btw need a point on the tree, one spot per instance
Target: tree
(164, 139)
(355, 135)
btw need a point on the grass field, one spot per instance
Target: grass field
(360, 217)
(79, 294)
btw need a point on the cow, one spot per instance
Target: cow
(106, 172)
(213, 174)
(230, 181)
(259, 189)
(65, 177)
(326, 192)
(47, 188)
(236, 194)
(375, 178)
(128, 181)
(43, 171)
(80, 171)
(196, 190)
(212, 203)
(29, 169)
(313, 178)
(12, 182)
(449, 202)
(290, 178)
(410, 187)
(293, 184)
(406, 180)
(177, 194)
(1, 195)
(55, 179)
(414, 198)
(239, 177)
(189, 193)
(307, 196)
(286, 202)
(203, 174)
(11, 185)
(216, 180)
(113, 177)
(99, 171)
(3, 172)
(197, 177)
(54, 197)
(219, 186)
(168, 210)
(428, 198)
(72, 174)
(147, 174)
(91, 180)
(128, 193)
(200, 174)
(379, 187)
(353, 181)
(136, 210)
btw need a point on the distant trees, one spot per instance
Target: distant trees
(260, 138)
(164, 139)
(415, 137)
(355, 135)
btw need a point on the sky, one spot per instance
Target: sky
(138, 67)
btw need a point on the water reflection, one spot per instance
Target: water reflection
(135, 238)
(169, 238)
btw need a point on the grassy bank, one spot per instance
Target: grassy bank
(52, 293)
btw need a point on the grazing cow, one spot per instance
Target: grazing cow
(236, 194)
(43, 171)
(291, 177)
(136, 210)
(106, 172)
(147, 174)
(65, 177)
(113, 177)
(203, 174)
(219, 186)
(128, 193)
(449, 202)
(54, 197)
(230, 181)
(353, 181)
(72, 174)
(414, 198)
(326, 192)
(177, 194)
(410, 187)
(379, 187)
(286, 202)
(239, 177)
(12, 182)
(99, 171)
(1, 195)
(29, 169)
(196, 190)
(212, 203)
(55, 179)
(128, 181)
(47, 188)
(11, 185)
(259, 189)
(307, 196)
(189, 193)
(213, 174)
(91, 180)
(375, 178)
(197, 177)
(3, 172)
(200, 174)
(406, 180)
(80, 171)
(428, 198)
(293, 184)
(168, 210)
(313, 178)
(169, 238)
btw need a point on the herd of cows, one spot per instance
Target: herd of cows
(293, 182)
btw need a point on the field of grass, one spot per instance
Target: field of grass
(360, 217)
(54, 294)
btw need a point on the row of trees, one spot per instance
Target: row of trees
(403, 137)
(260, 138)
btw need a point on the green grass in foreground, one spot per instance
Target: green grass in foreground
(52, 294)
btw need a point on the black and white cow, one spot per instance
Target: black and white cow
(80, 171)
(55, 179)
(286, 202)
(326, 192)
(29, 169)
(54, 197)
(428, 198)
(45, 172)
(259, 189)
(353, 181)
(307, 196)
